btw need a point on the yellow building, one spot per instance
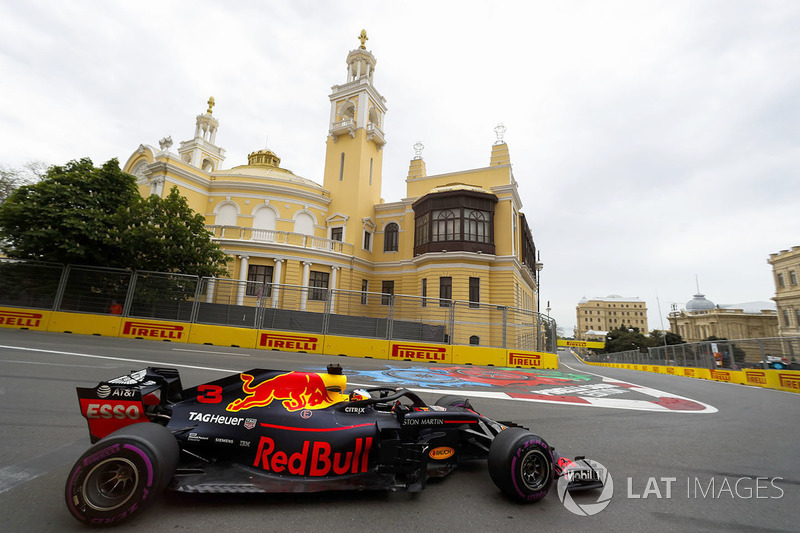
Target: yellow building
(701, 319)
(456, 236)
(598, 316)
(786, 270)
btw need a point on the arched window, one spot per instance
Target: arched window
(264, 222)
(374, 117)
(348, 111)
(423, 230)
(391, 238)
(227, 215)
(476, 226)
(304, 223)
(444, 226)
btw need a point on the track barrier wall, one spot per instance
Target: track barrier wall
(224, 312)
(785, 380)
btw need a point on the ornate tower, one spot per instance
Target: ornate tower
(201, 151)
(354, 157)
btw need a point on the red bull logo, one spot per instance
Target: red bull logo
(759, 378)
(316, 458)
(298, 390)
(20, 319)
(524, 359)
(790, 381)
(152, 330)
(277, 341)
(414, 351)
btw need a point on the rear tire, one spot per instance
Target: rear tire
(521, 465)
(121, 474)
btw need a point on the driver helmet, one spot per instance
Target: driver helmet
(359, 394)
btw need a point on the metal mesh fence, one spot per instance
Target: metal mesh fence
(25, 284)
(296, 309)
(162, 296)
(776, 352)
(226, 302)
(358, 314)
(478, 324)
(221, 301)
(420, 319)
(93, 290)
(529, 330)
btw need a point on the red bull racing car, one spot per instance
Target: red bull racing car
(279, 431)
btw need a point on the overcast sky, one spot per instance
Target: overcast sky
(652, 141)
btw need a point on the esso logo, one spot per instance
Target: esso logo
(107, 410)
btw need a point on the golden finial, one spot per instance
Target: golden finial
(210, 104)
(363, 38)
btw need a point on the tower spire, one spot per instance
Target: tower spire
(354, 152)
(202, 150)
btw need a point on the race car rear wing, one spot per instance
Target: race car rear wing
(128, 399)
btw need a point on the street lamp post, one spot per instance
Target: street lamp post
(539, 266)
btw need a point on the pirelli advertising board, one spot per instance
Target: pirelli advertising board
(419, 352)
(521, 359)
(24, 318)
(290, 342)
(789, 380)
(154, 330)
(582, 344)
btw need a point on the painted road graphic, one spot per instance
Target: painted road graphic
(547, 386)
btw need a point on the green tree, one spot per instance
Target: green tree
(623, 339)
(674, 338)
(165, 235)
(660, 338)
(66, 217)
(81, 214)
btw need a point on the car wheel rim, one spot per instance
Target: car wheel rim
(534, 470)
(110, 484)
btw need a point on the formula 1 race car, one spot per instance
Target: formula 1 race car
(279, 431)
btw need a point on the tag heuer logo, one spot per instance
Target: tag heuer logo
(250, 423)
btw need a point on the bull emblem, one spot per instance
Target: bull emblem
(298, 390)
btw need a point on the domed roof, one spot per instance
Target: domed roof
(699, 303)
(266, 165)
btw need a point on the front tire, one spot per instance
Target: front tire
(121, 474)
(453, 401)
(521, 465)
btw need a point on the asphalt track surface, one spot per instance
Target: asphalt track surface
(683, 454)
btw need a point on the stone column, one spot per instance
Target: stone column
(210, 290)
(304, 284)
(334, 277)
(242, 279)
(276, 278)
